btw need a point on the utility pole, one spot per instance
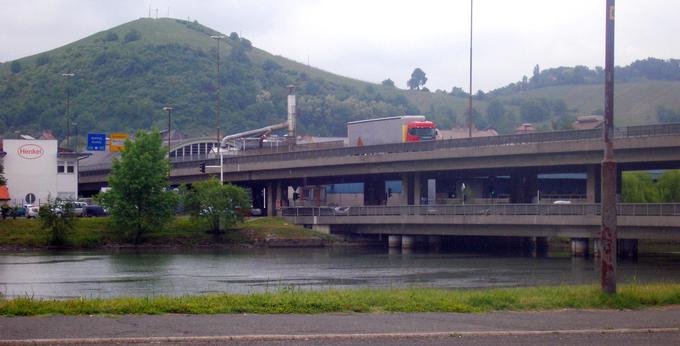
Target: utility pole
(68, 106)
(608, 234)
(169, 110)
(469, 118)
(217, 113)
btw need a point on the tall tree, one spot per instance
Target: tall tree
(638, 187)
(388, 83)
(418, 79)
(669, 186)
(217, 204)
(139, 200)
(3, 181)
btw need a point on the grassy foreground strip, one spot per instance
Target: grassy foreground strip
(98, 232)
(364, 300)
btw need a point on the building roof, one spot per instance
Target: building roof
(587, 122)
(463, 132)
(525, 128)
(4, 193)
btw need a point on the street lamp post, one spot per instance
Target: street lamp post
(68, 106)
(75, 125)
(169, 110)
(469, 119)
(217, 112)
(608, 231)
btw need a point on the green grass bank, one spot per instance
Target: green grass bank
(92, 233)
(364, 301)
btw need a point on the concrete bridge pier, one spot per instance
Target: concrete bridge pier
(417, 188)
(628, 248)
(579, 247)
(524, 187)
(538, 246)
(597, 247)
(374, 192)
(593, 184)
(407, 242)
(271, 199)
(394, 241)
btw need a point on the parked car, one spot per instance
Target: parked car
(31, 211)
(20, 211)
(79, 208)
(94, 210)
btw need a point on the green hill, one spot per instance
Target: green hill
(635, 103)
(124, 76)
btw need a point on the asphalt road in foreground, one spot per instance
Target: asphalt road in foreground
(602, 327)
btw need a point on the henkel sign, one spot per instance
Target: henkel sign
(30, 151)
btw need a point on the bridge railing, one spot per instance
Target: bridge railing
(512, 139)
(625, 209)
(303, 153)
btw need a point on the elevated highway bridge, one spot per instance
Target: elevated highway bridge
(519, 159)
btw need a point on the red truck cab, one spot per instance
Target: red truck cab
(417, 131)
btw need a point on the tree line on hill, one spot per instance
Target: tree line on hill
(650, 68)
(123, 80)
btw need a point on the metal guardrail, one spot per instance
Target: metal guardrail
(295, 153)
(515, 139)
(623, 209)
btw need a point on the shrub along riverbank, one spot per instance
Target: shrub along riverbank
(182, 232)
(364, 300)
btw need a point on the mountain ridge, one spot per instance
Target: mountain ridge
(126, 75)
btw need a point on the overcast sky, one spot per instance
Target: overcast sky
(373, 40)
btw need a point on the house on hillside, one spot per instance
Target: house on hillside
(525, 128)
(587, 122)
(463, 132)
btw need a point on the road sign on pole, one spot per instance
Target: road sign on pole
(96, 141)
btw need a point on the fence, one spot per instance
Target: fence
(627, 209)
(502, 140)
(302, 153)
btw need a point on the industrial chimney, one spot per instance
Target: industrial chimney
(292, 135)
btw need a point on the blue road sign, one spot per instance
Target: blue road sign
(96, 141)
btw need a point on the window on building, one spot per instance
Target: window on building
(66, 167)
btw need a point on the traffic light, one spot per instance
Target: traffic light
(202, 165)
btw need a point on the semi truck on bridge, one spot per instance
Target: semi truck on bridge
(399, 129)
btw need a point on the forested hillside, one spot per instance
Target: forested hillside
(124, 76)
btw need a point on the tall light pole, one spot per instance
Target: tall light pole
(469, 119)
(68, 77)
(608, 234)
(169, 110)
(218, 38)
(75, 125)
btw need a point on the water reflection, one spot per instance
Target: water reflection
(130, 273)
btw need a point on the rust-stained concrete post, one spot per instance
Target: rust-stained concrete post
(608, 231)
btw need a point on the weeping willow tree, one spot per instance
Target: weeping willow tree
(638, 187)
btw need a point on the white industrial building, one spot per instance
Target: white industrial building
(36, 170)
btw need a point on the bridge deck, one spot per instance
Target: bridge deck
(635, 221)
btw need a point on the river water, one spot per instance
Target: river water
(145, 273)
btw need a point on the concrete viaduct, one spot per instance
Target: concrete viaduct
(445, 164)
